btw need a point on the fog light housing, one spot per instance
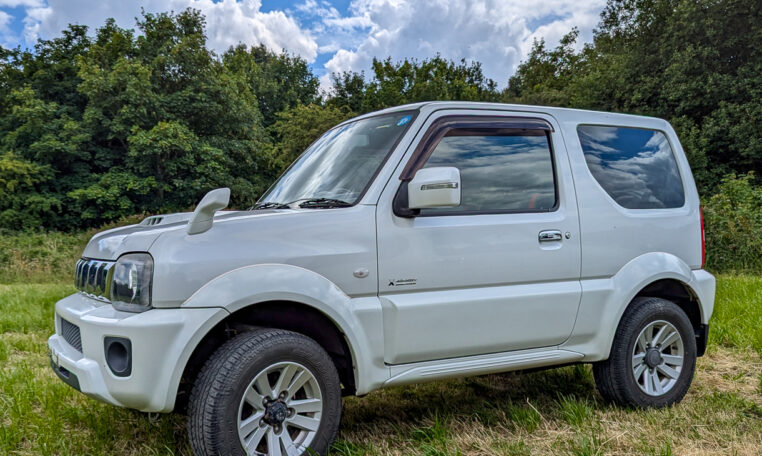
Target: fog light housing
(118, 355)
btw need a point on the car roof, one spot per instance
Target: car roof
(561, 114)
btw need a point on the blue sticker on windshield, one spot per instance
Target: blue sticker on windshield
(403, 121)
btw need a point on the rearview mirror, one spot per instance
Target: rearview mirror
(434, 187)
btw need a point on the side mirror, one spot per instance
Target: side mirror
(203, 217)
(434, 187)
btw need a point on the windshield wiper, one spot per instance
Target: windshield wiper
(269, 205)
(324, 203)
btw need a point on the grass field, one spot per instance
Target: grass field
(551, 412)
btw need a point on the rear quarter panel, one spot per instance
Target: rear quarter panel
(624, 250)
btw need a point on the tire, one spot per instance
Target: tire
(627, 377)
(227, 396)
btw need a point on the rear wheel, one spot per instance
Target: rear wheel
(270, 392)
(653, 356)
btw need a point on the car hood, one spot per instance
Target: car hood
(110, 244)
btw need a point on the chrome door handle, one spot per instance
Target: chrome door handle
(550, 236)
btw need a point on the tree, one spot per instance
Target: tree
(161, 106)
(544, 78)
(411, 81)
(21, 205)
(279, 81)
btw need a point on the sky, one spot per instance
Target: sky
(337, 35)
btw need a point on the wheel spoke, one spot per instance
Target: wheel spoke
(656, 383)
(307, 405)
(639, 370)
(273, 443)
(284, 380)
(668, 371)
(642, 342)
(672, 360)
(647, 382)
(638, 359)
(263, 385)
(252, 442)
(304, 422)
(669, 340)
(254, 399)
(248, 425)
(288, 444)
(299, 380)
(657, 338)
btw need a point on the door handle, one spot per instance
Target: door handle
(550, 236)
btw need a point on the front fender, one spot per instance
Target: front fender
(604, 300)
(359, 318)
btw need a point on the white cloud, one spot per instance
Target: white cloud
(17, 3)
(229, 22)
(5, 19)
(497, 33)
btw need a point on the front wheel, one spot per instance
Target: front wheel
(266, 392)
(653, 356)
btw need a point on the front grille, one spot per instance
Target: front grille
(92, 277)
(70, 333)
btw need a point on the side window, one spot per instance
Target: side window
(635, 166)
(499, 171)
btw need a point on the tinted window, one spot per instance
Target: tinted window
(635, 166)
(498, 172)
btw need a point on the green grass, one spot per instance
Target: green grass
(737, 319)
(550, 412)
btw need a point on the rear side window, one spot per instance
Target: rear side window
(499, 172)
(635, 166)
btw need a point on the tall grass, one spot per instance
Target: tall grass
(45, 257)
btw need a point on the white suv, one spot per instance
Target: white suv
(412, 244)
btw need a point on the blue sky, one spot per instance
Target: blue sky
(337, 35)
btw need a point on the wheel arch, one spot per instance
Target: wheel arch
(277, 296)
(288, 315)
(605, 301)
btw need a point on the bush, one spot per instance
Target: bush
(733, 223)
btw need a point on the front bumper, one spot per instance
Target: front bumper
(162, 341)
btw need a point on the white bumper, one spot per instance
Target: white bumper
(162, 341)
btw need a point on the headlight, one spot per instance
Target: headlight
(131, 282)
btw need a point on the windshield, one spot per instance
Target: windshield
(337, 168)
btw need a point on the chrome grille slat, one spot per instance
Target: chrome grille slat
(92, 276)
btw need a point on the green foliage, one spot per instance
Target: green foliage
(279, 81)
(97, 128)
(411, 81)
(20, 206)
(544, 77)
(733, 225)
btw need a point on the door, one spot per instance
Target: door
(499, 272)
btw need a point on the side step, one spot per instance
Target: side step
(478, 365)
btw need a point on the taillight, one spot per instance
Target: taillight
(703, 238)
